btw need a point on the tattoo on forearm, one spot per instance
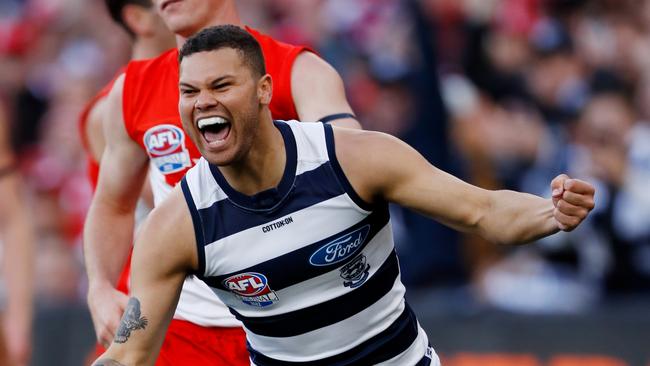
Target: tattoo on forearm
(107, 362)
(131, 320)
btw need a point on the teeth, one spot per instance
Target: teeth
(209, 121)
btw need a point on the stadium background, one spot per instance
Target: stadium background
(504, 93)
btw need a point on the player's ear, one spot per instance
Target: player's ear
(136, 18)
(265, 89)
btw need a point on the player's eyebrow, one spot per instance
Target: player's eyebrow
(212, 82)
(186, 85)
(220, 79)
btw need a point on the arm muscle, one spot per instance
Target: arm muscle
(318, 91)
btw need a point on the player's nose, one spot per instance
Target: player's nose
(205, 101)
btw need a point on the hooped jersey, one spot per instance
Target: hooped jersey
(308, 267)
(150, 110)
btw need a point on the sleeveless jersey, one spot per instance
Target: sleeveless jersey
(308, 267)
(150, 109)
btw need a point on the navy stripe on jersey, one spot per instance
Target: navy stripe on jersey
(294, 267)
(198, 227)
(343, 180)
(328, 312)
(425, 361)
(225, 218)
(383, 346)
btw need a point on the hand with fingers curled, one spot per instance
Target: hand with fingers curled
(572, 201)
(106, 306)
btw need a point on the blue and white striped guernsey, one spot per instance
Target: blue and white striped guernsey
(308, 267)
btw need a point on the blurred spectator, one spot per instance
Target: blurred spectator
(17, 257)
(613, 147)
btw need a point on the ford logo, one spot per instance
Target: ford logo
(340, 248)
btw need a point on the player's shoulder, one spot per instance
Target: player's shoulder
(269, 43)
(367, 150)
(349, 138)
(261, 37)
(136, 70)
(171, 55)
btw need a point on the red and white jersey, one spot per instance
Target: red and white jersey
(150, 109)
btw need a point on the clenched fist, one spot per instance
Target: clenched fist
(572, 199)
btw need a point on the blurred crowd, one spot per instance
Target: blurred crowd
(536, 88)
(504, 93)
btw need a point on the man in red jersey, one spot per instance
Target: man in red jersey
(150, 38)
(143, 129)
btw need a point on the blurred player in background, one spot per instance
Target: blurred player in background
(17, 253)
(150, 38)
(143, 129)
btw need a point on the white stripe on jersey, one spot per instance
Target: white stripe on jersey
(159, 186)
(219, 255)
(310, 145)
(205, 190)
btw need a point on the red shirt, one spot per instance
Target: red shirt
(150, 103)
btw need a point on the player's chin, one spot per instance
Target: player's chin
(219, 158)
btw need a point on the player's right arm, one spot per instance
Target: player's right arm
(157, 274)
(108, 231)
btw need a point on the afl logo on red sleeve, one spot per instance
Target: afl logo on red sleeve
(165, 145)
(251, 288)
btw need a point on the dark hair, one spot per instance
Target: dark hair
(226, 36)
(115, 10)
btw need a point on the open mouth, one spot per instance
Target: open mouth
(214, 129)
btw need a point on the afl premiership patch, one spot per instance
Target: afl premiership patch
(251, 288)
(166, 147)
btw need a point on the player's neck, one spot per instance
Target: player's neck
(225, 14)
(263, 166)
(144, 49)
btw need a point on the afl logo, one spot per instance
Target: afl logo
(163, 139)
(341, 248)
(252, 288)
(165, 145)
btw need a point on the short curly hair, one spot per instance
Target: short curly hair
(226, 36)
